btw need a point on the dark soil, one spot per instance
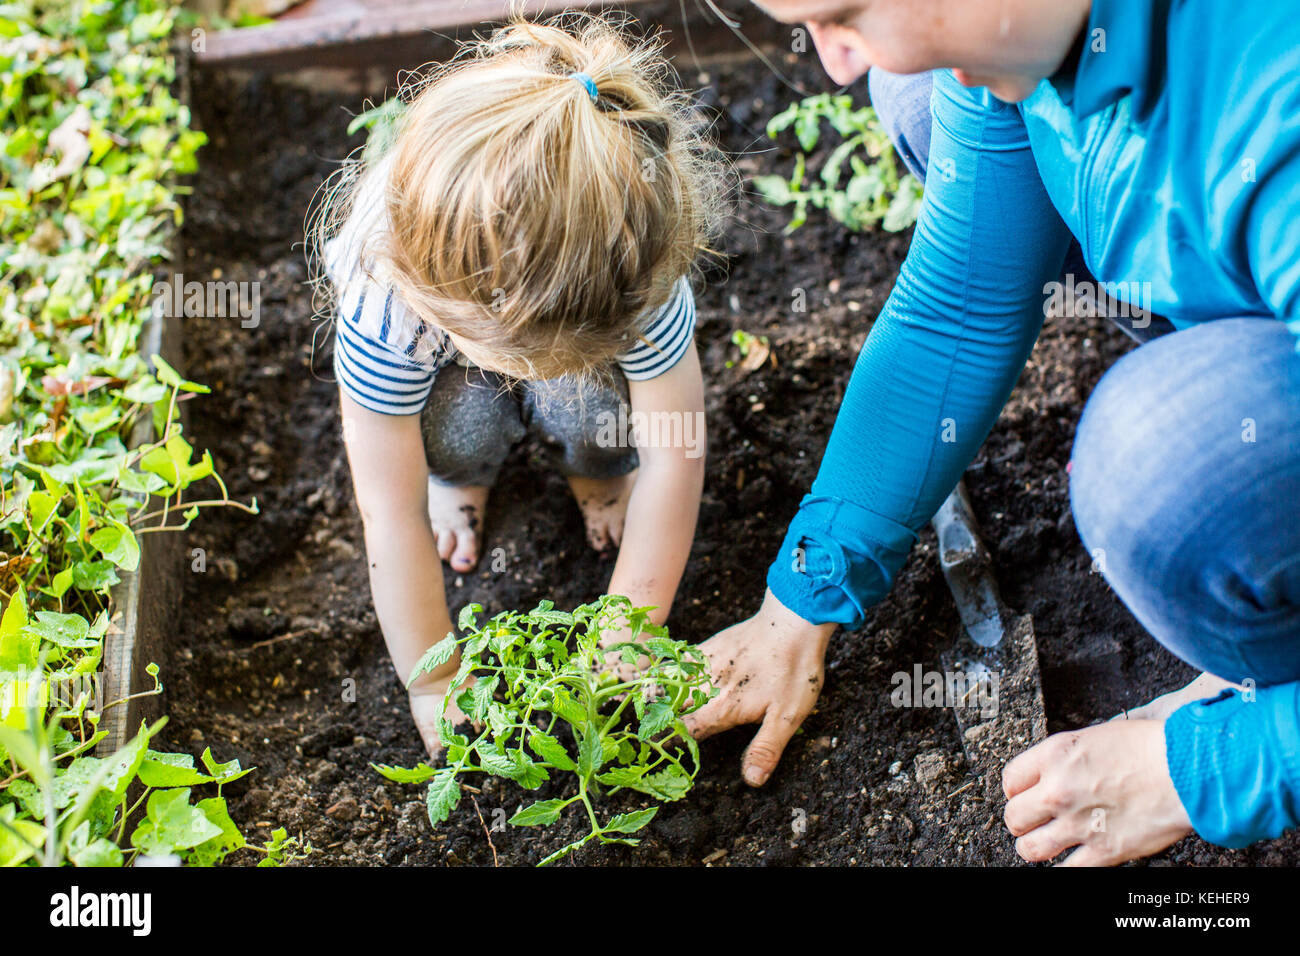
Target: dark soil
(279, 659)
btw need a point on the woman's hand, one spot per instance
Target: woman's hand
(769, 670)
(1105, 789)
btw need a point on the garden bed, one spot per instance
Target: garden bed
(279, 630)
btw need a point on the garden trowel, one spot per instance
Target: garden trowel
(995, 659)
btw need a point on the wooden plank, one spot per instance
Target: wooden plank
(148, 599)
(319, 24)
(359, 34)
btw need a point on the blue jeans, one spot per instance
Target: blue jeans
(1185, 475)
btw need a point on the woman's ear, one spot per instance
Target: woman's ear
(839, 52)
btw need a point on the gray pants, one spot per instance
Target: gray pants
(474, 417)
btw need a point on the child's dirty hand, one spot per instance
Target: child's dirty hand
(613, 663)
(427, 698)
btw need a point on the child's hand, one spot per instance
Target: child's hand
(427, 696)
(613, 661)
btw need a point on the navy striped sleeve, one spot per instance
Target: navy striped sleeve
(375, 354)
(665, 339)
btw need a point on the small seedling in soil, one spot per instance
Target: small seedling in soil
(873, 192)
(754, 350)
(551, 699)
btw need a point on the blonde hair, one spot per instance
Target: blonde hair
(522, 216)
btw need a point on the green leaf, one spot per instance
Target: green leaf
(65, 630)
(118, 544)
(630, 822)
(658, 717)
(171, 824)
(591, 753)
(497, 764)
(223, 773)
(541, 813)
(94, 575)
(169, 376)
(443, 795)
(467, 614)
(672, 783)
(481, 695)
(551, 750)
(563, 851)
(20, 840)
(433, 658)
(567, 708)
(527, 774)
(417, 774)
(99, 852)
(213, 851)
(19, 649)
(170, 770)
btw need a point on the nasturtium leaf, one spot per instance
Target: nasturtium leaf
(223, 773)
(65, 630)
(171, 824)
(118, 544)
(170, 770)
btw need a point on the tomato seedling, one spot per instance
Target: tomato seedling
(541, 686)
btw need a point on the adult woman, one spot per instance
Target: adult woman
(1163, 137)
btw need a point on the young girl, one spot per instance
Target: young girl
(516, 262)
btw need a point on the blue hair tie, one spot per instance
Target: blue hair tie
(586, 81)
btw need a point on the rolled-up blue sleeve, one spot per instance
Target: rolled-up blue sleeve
(938, 365)
(1235, 762)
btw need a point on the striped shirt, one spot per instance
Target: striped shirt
(385, 367)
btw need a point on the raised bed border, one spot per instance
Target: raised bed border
(420, 31)
(147, 599)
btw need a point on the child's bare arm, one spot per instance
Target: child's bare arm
(665, 501)
(386, 454)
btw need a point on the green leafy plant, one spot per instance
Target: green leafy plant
(92, 456)
(64, 805)
(541, 686)
(871, 193)
(381, 124)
